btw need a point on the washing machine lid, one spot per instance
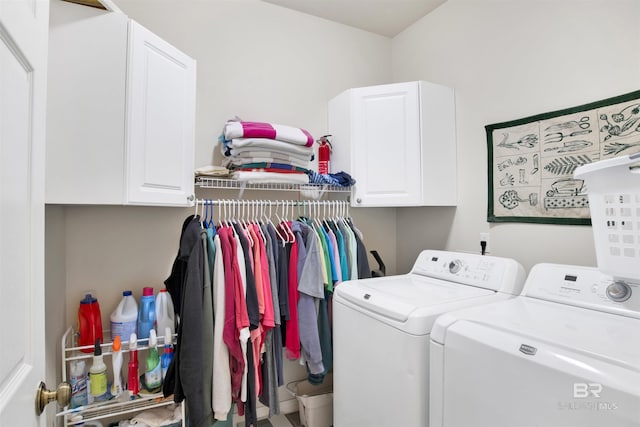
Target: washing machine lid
(540, 362)
(591, 333)
(412, 301)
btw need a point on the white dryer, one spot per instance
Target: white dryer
(564, 353)
(381, 330)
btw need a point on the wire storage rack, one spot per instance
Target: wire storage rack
(115, 407)
(309, 191)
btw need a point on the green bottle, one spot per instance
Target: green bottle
(153, 372)
(98, 374)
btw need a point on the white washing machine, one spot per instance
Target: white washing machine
(564, 353)
(381, 330)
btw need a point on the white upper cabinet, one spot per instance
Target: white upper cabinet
(121, 112)
(398, 142)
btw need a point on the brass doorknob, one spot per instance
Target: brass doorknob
(43, 396)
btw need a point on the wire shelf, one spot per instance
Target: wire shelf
(312, 191)
(116, 406)
(109, 409)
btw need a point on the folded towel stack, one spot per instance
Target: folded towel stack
(258, 152)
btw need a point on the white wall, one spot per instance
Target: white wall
(505, 59)
(267, 63)
(509, 59)
(263, 62)
(255, 60)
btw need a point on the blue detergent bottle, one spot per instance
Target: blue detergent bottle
(147, 313)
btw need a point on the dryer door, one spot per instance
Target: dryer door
(494, 377)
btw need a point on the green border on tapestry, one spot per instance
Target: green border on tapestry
(489, 131)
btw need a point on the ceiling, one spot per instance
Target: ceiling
(384, 17)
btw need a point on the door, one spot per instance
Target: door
(23, 58)
(387, 145)
(161, 120)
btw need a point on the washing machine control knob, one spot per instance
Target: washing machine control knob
(618, 291)
(455, 266)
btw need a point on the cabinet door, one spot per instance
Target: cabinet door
(86, 105)
(160, 121)
(386, 149)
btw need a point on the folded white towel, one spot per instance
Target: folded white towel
(270, 177)
(269, 144)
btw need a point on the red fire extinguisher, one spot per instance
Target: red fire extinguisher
(324, 154)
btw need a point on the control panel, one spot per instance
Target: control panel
(583, 287)
(496, 273)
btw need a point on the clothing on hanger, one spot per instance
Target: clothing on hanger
(253, 292)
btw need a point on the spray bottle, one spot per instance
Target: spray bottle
(98, 374)
(78, 380)
(132, 378)
(116, 362)
(167, 356)
(153, 372)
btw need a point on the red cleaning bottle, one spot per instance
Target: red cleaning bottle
(133, 384)
(89, 323)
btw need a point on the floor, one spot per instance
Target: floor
(288, 420)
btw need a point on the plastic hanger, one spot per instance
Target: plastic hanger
(283, 223)
(257, 205)
(205, 217)
(316, 218)
(269, 221)
(244, 224)
(210, 223)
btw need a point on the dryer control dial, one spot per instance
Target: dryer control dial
(455, 266)
(618, 291)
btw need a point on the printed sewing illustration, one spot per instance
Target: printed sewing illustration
(624, 122)
(528, 141)
(533, 159)
(510, 199)
(562, 193)
(566, 193)
(563, 132)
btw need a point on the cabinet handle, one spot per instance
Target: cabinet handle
(358, 200)
(191, 198)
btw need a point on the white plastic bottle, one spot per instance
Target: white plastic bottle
(116, 362)
(167, 356)
(165, 314)
(124, 318)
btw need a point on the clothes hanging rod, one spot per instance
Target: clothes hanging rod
(258, 202)
(251, 207)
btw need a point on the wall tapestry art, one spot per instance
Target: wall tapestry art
(532, 160)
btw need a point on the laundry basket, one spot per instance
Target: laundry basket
(315, 402)
(613, 186)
